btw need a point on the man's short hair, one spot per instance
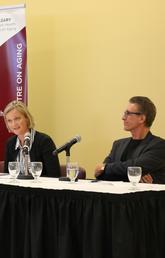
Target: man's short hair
(146, 107)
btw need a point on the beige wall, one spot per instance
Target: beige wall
(85, 59)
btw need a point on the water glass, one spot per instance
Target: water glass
(134, 175)
(36, 169)
(14, 169)
(72, 170)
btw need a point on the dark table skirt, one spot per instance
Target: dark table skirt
(39, 223)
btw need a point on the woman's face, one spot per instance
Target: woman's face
(17, 122)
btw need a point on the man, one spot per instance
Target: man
(142, 149)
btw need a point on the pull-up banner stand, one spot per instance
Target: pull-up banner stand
(13, 62)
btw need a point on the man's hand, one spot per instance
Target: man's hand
(99, 169)
(146, 179)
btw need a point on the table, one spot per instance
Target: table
(53, 219)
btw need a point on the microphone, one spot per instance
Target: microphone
(26, 143)
(67, 145)
(25, 173)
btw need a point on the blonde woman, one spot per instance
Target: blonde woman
(19, 121)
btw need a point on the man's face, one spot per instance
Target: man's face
(132, 117)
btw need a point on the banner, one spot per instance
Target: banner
(13, 62)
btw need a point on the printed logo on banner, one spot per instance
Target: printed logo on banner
(11, 23)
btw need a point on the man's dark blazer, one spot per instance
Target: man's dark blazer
(149, 154)
(41, 150)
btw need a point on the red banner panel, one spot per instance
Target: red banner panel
(13, 62)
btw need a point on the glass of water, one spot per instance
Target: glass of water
(72, 170)
(14, 169)
(134, 176)
(36, 169)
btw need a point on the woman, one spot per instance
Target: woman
(19, 121)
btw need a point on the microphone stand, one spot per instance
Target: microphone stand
(67, 161)
(25, 173)
(67, 155)
(67, 152)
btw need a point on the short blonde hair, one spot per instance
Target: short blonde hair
(22, 108)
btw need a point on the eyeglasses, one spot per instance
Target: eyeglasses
(127, 113)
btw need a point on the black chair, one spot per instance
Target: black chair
(2, 166)
(81, 175)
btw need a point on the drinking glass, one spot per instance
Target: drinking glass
(14, 169)
(72, 170)
(134, 175)
(36, 169)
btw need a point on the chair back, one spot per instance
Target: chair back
(81, 174)
(1, 166)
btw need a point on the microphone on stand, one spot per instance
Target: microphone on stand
(25, 173)
(26, 143)
(67, 145)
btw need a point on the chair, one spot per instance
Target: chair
(2, 166)
(81, 175)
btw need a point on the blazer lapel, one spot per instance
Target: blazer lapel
(122, 148)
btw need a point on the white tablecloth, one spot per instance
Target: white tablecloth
(82, 185)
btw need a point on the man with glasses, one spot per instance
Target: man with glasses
(143, 149)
